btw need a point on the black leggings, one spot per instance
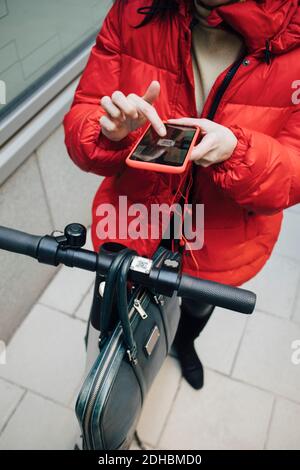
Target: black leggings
(194, 316)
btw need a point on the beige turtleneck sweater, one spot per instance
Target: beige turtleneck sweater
(213, 50)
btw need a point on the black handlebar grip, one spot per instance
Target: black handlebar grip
(19, 242)
(232, 298)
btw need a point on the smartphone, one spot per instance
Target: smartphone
(169, 154)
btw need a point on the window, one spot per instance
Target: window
(38, 39)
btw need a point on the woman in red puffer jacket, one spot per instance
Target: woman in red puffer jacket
(234, 69)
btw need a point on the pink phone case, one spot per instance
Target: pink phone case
(159, 167)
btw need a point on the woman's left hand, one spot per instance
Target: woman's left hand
(216, 146)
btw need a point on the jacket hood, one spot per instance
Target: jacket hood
(274, 24)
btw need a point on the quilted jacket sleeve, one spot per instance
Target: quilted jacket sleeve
(88, 148)
(263, 174)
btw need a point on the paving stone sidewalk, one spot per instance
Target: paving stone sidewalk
(251, 398)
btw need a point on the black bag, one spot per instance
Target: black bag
(111, 398)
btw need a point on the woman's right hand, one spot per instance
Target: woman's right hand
(124, 114)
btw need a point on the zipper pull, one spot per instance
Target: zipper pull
(268, 52)
(139, 309)
(159, 299)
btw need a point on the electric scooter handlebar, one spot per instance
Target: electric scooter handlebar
(19, 242)
(67, 249)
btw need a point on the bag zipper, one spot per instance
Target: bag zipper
(98, 379)
(137, 305)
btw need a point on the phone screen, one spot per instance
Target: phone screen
(169, 150)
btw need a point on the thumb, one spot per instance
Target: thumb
(207, 125)
(152, 92)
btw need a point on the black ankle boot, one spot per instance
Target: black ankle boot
(191, 366)
(189, 329)
(192, 369)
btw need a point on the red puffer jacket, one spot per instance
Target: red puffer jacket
(257, 98)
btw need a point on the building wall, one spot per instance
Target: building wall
(44, 194)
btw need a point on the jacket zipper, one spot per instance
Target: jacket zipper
(216, 102)
(223, 87)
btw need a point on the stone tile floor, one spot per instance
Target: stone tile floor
(251, 398)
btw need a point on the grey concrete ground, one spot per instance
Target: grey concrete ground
(251, 398)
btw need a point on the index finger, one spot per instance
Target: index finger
(150, 113)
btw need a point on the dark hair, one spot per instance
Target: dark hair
(157, 9)
(163, 9)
